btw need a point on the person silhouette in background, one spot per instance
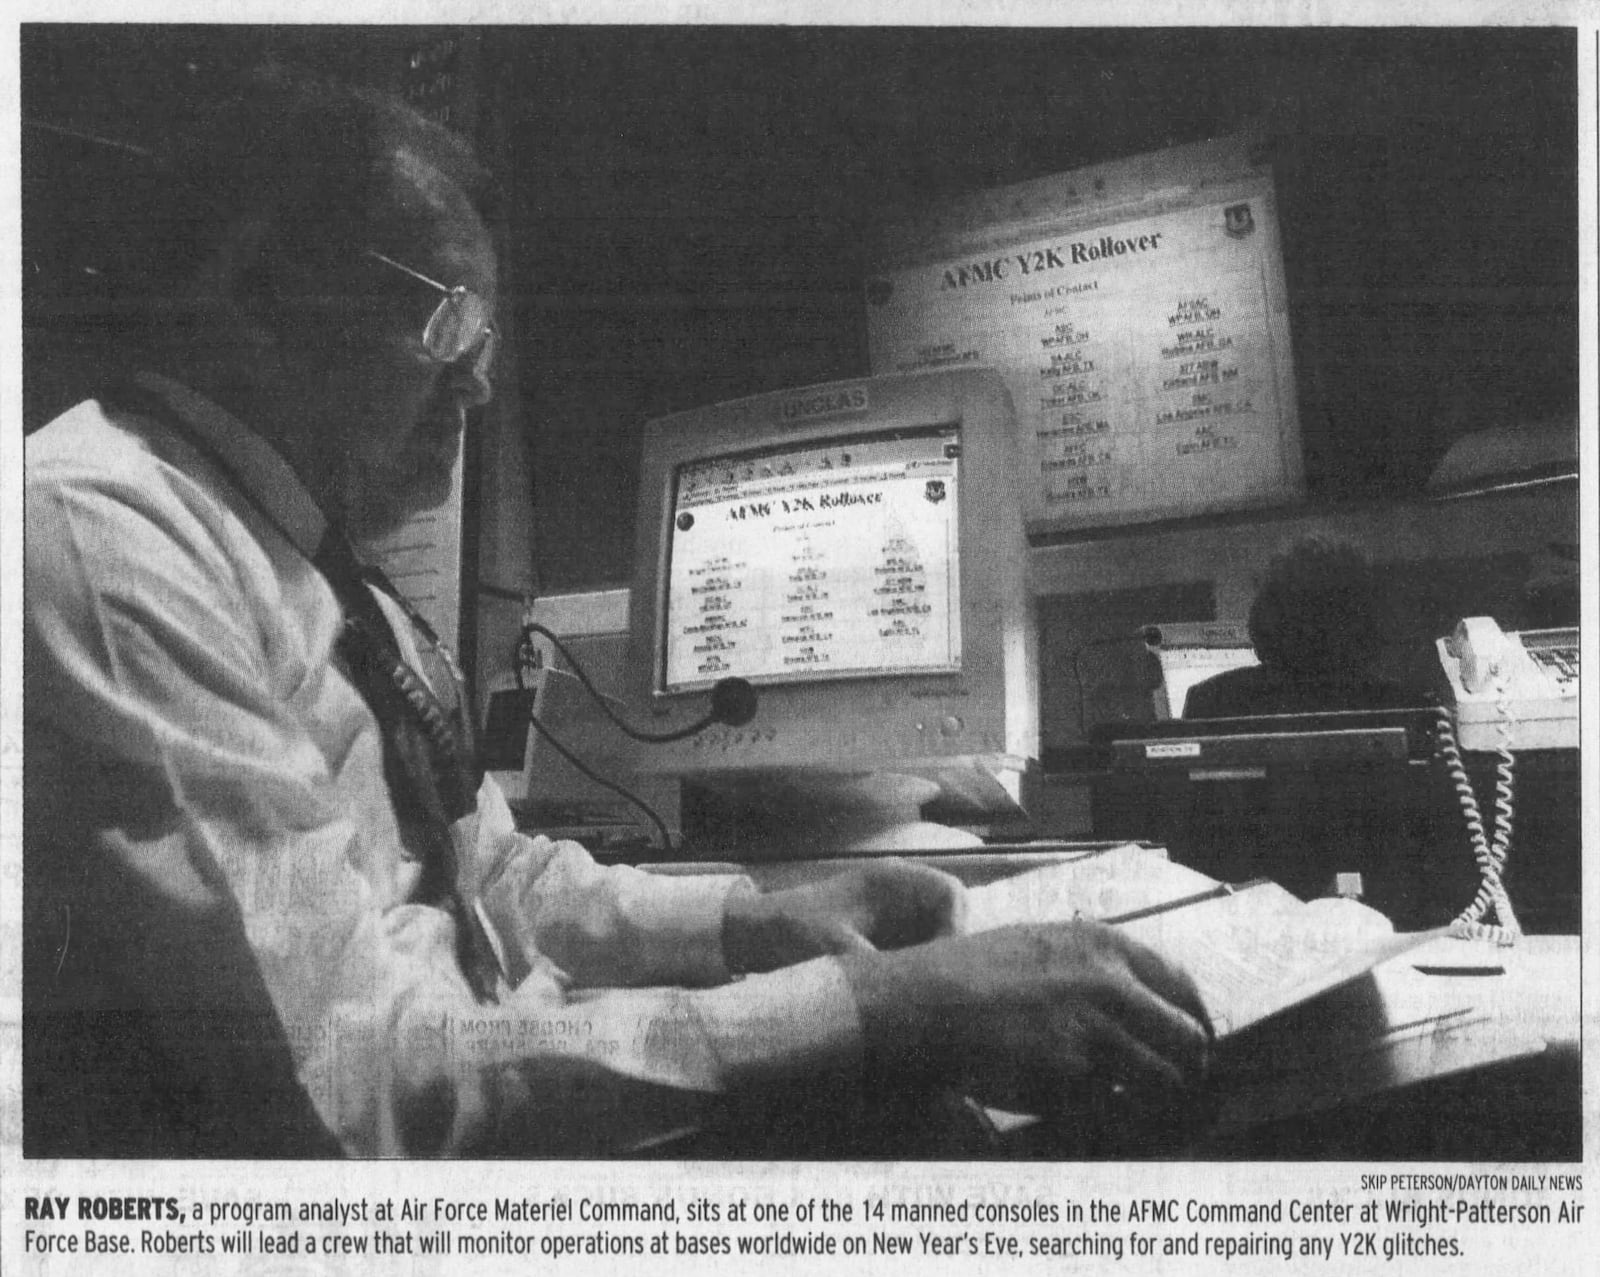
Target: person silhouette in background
(1318, 623)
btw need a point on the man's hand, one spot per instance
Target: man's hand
(887, 904)
(1022, 1017)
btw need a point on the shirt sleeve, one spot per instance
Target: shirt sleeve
(613, 926)
(149, 650)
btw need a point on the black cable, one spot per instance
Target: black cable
(733, 701)
(591, 774)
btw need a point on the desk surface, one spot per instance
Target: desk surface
(1443, 1009)
(1503, 1083)
(1538, 993)
(1498, 1077)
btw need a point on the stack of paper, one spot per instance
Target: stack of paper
(1251, 950)
(1330, 1016)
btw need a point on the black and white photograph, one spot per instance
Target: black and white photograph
(795, 644)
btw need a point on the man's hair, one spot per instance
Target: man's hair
(312, 163)
(1320, 613)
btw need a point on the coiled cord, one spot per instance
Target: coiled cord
(1490, 853)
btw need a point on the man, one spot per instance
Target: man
(262, 922)
(1318, 624)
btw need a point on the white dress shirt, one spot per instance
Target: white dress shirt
(180, 663)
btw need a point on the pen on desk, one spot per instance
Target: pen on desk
(1211, 893)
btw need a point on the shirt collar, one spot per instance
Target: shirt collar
(269, 480)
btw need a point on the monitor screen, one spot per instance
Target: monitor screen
(839, 558)
(1190, 652)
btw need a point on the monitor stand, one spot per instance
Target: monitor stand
(818, 814)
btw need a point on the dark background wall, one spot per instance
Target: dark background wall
(697, 205)
(687, 210)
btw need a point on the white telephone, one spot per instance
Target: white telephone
(1512, 691)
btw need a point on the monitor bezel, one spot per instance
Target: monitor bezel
(989, 707)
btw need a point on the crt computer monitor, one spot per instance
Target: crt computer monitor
(1190, 652)
(856, 552)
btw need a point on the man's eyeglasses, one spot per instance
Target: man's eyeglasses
(460, 323)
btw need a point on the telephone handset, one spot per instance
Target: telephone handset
(1513, 691)
(1482, 652)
